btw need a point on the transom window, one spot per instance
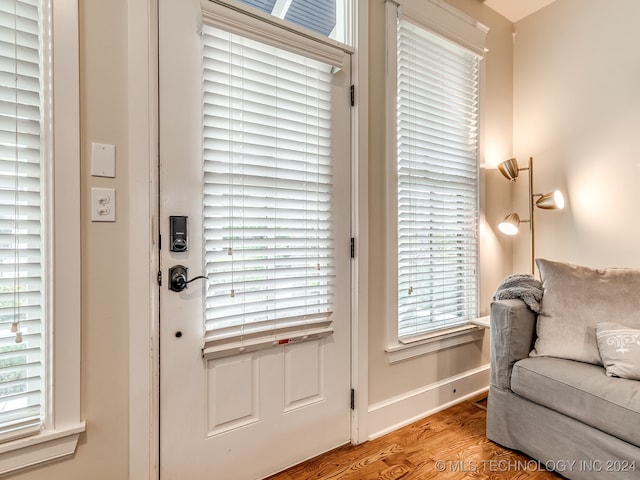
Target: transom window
(329, 18)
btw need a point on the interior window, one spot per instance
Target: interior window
(39, 191)
(434, 59)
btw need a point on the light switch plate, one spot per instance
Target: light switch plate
(103, 160)
(103, 205)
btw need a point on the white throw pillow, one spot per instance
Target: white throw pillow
(619, 349)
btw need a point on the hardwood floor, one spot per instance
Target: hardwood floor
(450, 445)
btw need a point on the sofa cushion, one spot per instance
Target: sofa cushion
(581, 391)
(574, 299)
(619, 348)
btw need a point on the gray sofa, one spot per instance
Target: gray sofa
(554, 399)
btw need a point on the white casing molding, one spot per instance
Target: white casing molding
(144, 429)
(360, 228)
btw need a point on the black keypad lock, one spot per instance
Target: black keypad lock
(178, 231)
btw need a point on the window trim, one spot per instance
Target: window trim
(452, 24)
(434, 342)
(62, 426)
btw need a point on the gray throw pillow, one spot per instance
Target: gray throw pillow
(575, 298)
(619, 349)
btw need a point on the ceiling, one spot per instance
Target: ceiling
(514, 10)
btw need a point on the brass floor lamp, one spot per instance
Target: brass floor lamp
(547, 201)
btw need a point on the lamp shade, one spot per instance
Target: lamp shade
(551, 201)
(509, 226)
(509, 168)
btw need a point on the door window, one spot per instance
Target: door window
(269, 248)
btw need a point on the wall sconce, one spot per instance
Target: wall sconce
(548, 201)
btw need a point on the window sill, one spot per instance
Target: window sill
(484, 322)
(434, 342)
(44, 447)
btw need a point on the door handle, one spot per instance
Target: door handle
(179, 278)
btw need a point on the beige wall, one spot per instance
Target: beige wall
(577, 111)
(385, 380)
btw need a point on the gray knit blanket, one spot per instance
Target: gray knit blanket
(523, 286)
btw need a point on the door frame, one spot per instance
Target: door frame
(143, 166)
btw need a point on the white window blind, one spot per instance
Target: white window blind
(267, 195)
(21, 232)
(437, 181)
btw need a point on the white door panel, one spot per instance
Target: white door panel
(240, 412)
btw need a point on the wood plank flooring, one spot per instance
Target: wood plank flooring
(450, 445)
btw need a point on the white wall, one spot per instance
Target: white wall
(577, 112)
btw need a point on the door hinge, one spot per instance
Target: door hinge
(159, 277)
(353, 95)
(353, 247)
(353, 399)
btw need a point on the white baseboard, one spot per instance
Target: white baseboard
(399, 411)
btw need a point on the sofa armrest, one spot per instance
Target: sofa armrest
(513, 326)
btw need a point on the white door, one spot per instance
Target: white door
(254, 150)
